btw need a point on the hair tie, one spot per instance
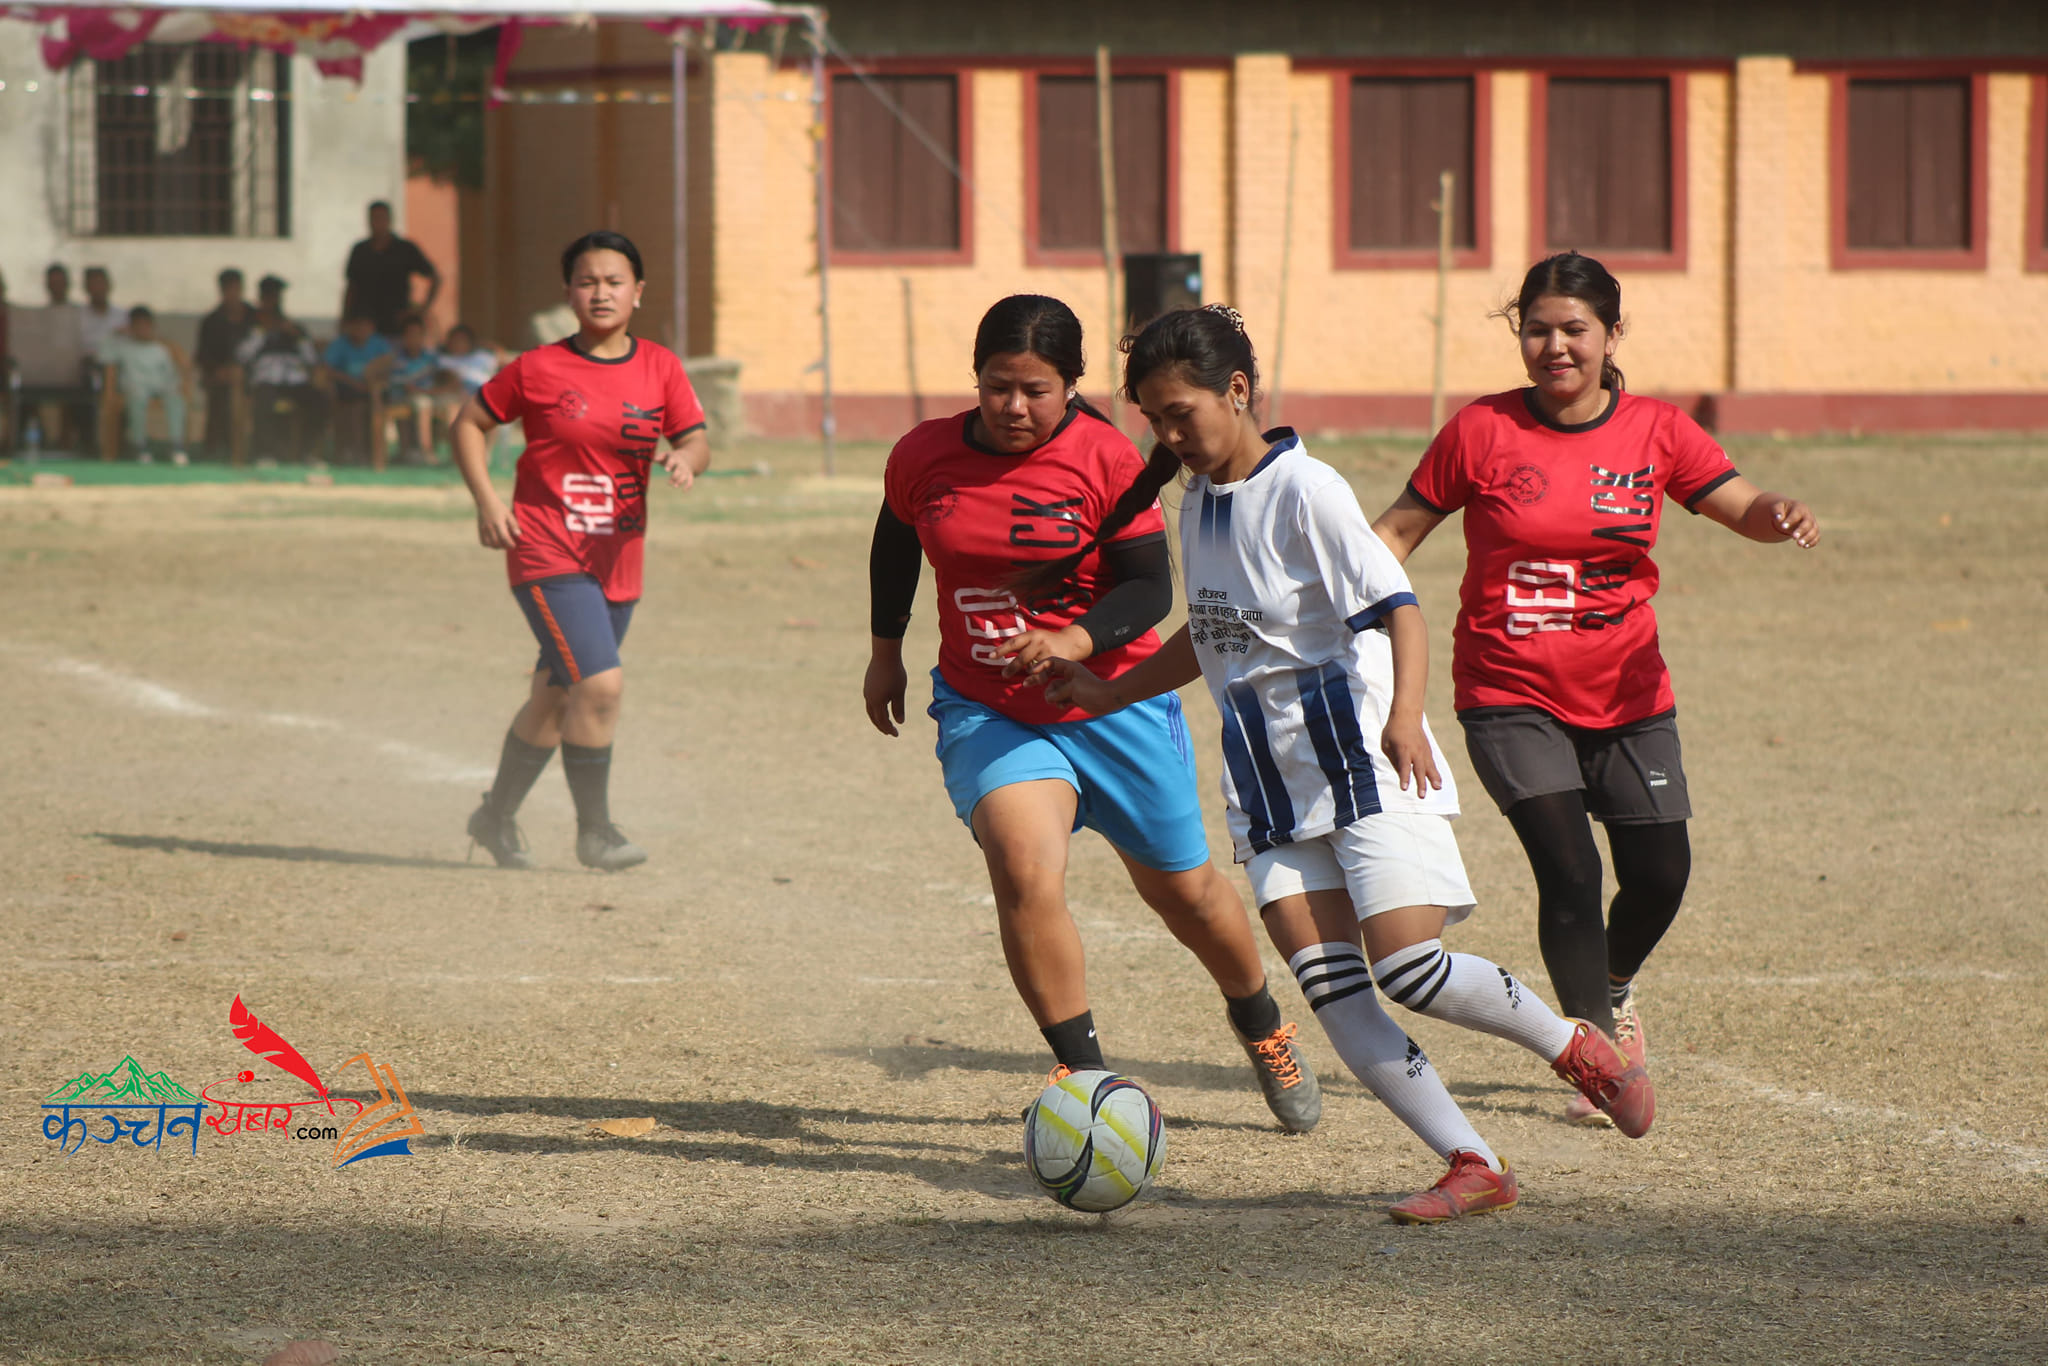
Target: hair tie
(1236, 319)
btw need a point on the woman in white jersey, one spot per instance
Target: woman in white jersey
(1304, 627)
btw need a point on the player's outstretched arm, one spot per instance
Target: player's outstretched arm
(1072, 684)
(1404, 741)
(1405, 524)
(1760, 514)
(496, 528)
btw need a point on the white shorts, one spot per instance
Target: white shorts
(1384, 861)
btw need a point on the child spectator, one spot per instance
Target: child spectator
(464, 367)
(354, 367)
(409, 392)
(144, 368)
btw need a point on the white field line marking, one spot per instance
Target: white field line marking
(2031, 1161)
(422, 765)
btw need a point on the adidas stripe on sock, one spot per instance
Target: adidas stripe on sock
(1338, 986)
(1464, 989)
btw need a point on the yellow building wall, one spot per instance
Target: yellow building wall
(1757, 310)
(1896, 331)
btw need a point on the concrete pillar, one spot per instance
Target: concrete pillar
(1759, 259)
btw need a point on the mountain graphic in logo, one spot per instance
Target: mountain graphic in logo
(124, 1081)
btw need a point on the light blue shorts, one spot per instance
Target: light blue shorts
(1133, 771)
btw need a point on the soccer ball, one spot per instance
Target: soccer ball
(1094, 1141)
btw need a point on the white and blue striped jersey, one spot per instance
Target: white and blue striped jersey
(1288, 589)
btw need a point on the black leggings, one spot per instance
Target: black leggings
(1651, 866)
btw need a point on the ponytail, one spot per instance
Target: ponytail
(1610, 375)
(1043, 580)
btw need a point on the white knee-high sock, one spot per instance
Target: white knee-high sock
(1467, 990)
(1338, 987)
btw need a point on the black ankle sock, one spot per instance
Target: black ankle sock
(1256, 1015)
(1073, 1043)
(1617, 992)
(589, 770)
(519, 767)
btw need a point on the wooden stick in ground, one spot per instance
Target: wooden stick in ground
(1110, 255)
(1275, 391)
(1446, 192)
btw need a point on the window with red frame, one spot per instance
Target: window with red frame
(1607, 164)
(891, 190)
(1069, 172)
(1405, 132)
(1908, 186)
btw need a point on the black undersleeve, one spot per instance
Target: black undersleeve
(1141, 594)
(895, 560)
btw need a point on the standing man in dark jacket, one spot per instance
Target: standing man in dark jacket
(380, 271)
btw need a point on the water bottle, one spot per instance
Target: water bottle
(32, 437)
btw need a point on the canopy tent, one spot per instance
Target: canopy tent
(336, 39)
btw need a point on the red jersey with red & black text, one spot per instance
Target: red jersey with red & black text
(1560, 519)
(592, 427)
(986, 516)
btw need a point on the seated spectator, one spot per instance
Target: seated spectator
(65, 425)
(278, 358)
(220, 332)
(409, 391)
(98, 317)
(354, 367)
(143, 369)
(464, 368)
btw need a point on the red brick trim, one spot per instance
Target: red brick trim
(1539, 166)
(885, 417)
(963, 255)
(1344, 256)
(1035, 255)
(1806, 414)
(1841, 256)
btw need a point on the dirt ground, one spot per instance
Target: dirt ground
(251, 721)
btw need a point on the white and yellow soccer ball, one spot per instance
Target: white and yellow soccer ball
(1094, 1141)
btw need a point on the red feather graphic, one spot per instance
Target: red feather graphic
(267, 1044)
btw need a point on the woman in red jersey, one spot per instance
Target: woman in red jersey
(1564, 698)
(1018, 481)
(596, 408)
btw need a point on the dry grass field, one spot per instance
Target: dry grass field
(250, 723)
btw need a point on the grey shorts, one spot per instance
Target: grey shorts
(1631, 774)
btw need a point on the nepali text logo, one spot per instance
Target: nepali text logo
(137, 1105)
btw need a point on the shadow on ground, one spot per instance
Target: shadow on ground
(558, 1281)
(287, 853)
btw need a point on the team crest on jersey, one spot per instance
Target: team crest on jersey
(1527, 484)
(938, 508)
(572, 406)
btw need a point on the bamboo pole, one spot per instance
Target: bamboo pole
(679, 254)
(1106, 160)
(1446, 198)
(828, 421)
(1275, 391)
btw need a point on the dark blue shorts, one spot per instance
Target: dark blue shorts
(578, 628)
